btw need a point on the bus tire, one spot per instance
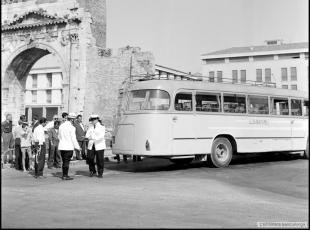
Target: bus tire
(221, 153)
(182, 161)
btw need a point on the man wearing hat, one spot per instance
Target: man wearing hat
(96, 146)
(67, 144)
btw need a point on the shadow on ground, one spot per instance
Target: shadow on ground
(154, 165)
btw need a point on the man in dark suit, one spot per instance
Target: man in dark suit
(80, 136)
(54, 159)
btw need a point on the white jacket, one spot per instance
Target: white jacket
(96, 137)
(67, 138)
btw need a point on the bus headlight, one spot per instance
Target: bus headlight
(147, 145)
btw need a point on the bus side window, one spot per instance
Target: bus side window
(234, 103)
(279, 106)
(296, 108)
(208, 102)
(258, 104)
(306, 108)
(183, 102)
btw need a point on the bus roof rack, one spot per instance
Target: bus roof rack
(148, 77)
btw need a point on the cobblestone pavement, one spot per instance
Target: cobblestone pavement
(156, 193)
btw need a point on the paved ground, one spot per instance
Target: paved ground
(158, 194)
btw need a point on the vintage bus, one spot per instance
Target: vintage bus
(186, 120)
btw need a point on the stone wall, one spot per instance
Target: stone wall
(106, 75)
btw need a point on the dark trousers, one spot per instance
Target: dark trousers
(18, 154)
(66, 156)
(99, 154)
(54, 157)
(82, 152)
(39, 159)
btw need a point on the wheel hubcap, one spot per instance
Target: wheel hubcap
(221, 152)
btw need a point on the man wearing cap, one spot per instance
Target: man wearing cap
(67, 144)
(40, 148)
(96, 146)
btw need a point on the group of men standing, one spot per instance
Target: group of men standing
(63, 139)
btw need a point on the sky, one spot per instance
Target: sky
(178, 32)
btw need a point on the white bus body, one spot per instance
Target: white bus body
(173, 133)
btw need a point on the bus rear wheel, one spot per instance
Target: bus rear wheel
(182, 161)
(221, 153)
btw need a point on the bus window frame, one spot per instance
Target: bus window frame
(303, 111)
(210, 93)
(128, 111)
(257, 114)
(279, 97)
(246, 98)
(185, 91)
(302, 101)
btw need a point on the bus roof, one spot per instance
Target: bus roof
(174, 85)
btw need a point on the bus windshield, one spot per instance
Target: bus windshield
(148, 99)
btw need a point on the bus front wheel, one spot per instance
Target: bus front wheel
(221, 153)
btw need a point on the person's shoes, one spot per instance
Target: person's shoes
(66, 178)
(91, 174)
(50, 167)
(57, 166)
(100, 176)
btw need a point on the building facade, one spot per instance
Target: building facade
(286, 65)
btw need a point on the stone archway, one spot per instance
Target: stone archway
(16, 72)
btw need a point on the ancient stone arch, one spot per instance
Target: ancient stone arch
(75, 32)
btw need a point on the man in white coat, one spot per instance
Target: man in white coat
(67, 144)
(96, 146)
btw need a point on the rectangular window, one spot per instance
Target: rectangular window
(235, 76)
(243, 76)
(293, 74)
(34, 96)
(296, 107)
(294, 87)
(258, 104)
(211, 76)
(208, 102)
(279, 106)
(49, 80)
(268, 75)
(284, 74)
(151, 99)
(284, 86)
(234, 103)
(259, 75)
(183, 102)
(34, 80)
(49, 96)
(306, 56)
(50, 112)
(219, 76)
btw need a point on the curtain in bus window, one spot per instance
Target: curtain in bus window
(279, 106)
(296, 108)
(234, 103)
(258, 104)
(183, 102)
(208, 102)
